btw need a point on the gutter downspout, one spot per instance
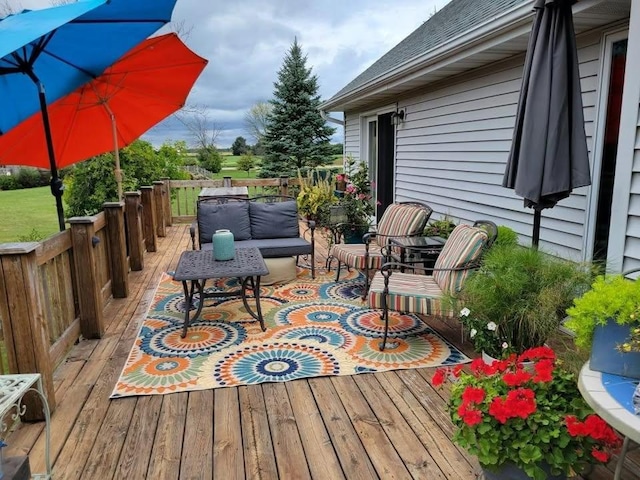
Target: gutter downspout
(325, 116)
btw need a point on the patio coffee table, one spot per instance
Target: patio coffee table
(195, 267)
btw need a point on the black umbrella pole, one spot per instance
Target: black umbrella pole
(56, 184)
(537, 214)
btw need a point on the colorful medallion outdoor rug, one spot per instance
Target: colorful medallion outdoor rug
(314, 328)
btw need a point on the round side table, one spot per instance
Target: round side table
(592, 388)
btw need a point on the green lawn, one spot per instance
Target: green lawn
(22, 211)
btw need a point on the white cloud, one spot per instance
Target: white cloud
(246, 41)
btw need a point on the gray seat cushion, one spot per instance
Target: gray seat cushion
(275, 247)
(232, 216)
(274, 220)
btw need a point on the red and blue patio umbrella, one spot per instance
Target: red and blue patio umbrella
(147, 84)
(46, 54)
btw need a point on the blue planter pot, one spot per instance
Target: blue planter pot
(604, 355)
(354, 235)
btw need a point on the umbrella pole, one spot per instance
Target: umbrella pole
(537, 214)
(56, 184)
(117, 172)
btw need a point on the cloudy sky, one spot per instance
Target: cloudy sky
(245, 42)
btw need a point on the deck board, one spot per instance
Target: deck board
(383, 425)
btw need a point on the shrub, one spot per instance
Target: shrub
(8, 182)
(33, 236)
(31, 177)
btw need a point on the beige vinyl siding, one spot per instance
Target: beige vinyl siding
(452, 150)
(352, 135)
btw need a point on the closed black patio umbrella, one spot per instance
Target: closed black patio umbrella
(549, 157)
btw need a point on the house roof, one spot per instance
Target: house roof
(455, 18)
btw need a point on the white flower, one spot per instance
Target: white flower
(465, 312)
(473, 332)
(492, 326)
(505, 345)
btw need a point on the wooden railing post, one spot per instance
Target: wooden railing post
(166, 196)
(284, 185)
(132, 209)
(161, 225)
(114, 214)
(149, 219)
(23, 322)
(83, 239)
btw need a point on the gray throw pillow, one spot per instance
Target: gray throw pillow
(232, 216)
(274, 220)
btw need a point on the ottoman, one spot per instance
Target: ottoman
(281, 270)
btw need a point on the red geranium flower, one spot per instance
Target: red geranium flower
(473, 395)
(517, 378)
(544, 371)
(600, 455)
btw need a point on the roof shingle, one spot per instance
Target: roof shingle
(455, 18)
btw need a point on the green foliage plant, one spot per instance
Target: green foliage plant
(506, 236)
(518, 297)
(33, 236)
(315, 197)
(532, 417)
(440, 228)
(610, 297)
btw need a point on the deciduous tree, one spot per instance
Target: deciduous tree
(239, 146)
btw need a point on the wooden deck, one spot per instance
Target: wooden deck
(368, 426)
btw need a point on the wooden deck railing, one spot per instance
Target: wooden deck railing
(53, 291)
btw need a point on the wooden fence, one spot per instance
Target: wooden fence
(53, 291)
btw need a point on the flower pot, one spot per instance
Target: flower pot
(510, 471)
(604, 355)
(354, 235)
(488, 359)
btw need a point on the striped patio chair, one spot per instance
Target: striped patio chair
(401, 219)
(423, 294)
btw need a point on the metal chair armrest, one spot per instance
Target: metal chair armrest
(192, 231)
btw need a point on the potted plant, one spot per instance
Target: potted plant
(517, 299)
(357, 201)
(606, 319)
(315, 198)
(440, 228)
(523, 423)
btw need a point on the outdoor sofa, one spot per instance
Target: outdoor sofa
(269, 222)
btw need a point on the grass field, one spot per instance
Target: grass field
(22, 211)
(33, 210)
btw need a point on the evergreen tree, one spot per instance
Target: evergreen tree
(297, 136)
